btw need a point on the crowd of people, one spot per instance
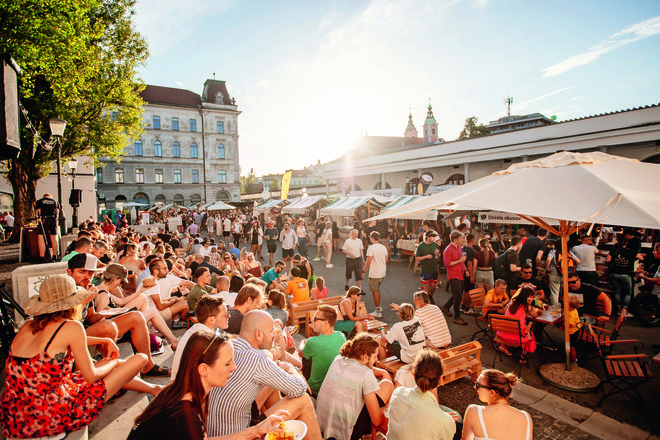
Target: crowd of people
(236, 370)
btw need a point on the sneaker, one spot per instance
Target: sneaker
(378, 313)
(459, 321)
(317, 259)
(469, 311)
(446, 311)
(329, 266)
(179, 324)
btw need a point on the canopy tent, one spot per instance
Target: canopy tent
(575, 189)
(346, 206)
(299, 206)
(404, 200)
(205, 206)
(219, 206)
(268, 205)
(134, 204)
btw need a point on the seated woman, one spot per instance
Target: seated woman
(251, 266)
(498, 420)
(405, 338)
(277, 306)
(180, 410)
(350, 320)
(111, 294)
(520, 307)
(131, 261)
(321, 291)
(412, 408)
(43, 395)
(352, 397)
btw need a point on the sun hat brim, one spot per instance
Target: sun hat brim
(34, 306)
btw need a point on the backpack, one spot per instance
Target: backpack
(500, 269)
(571, 263)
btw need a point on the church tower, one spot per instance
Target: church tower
(411, 131)
(430, 127)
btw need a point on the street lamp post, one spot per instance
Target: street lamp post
(57, 127)
(73, 164)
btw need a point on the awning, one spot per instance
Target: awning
(268, 205)
(404, 200)
(346, 206)
(299, 206)
(219, 206)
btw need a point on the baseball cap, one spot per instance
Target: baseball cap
(84, 261)
(117, 270)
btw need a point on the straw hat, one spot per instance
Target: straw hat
(56, 293)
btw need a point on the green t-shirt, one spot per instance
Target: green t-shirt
(195, 294)
(322, 350)
(428, 265)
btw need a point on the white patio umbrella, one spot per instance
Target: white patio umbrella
(576, 189)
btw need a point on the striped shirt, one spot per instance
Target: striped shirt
(434, 325)
(229, 406)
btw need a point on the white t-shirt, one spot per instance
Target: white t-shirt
(230, 297)
(378, 254)
(341, 396)
(182, 345)
(353, 246)
(410, 335)
(227, 224)
(587, 256)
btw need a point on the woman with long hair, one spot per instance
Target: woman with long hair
(301, 234)
(412, 408)
(256, 238)
(520, 307)
(497, 420)
(181, 408)
(484, 257)
(44, 396)
(326, 244)
(354, 392)
(131, 261)
(252, 266)
(350, 320)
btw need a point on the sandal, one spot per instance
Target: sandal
(119, 393)
(522, 361)
(158, 370)
(504, 350)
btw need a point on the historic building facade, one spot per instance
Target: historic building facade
(187, 153)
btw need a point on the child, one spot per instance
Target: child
(496, 299)
(574, 324)
(321, 291)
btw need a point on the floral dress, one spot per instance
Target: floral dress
(44, 397)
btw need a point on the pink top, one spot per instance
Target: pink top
(316, 293)
(453, 253)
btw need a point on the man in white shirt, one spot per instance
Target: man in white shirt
(586, 253)
(432, 319)
(289, 243)
(226, 230)
(354, 250)
(160, 295)
(377, 258)
(211, 315)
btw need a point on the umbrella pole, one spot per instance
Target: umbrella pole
(563, 227)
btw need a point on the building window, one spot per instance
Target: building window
(158, 149)
(456, 179)
(221, 151)
(222, 176)
(99, 175)
(138, 148)
(176, 150)
(221, 127)
(177, 176)
(193, 150)
(114, 116)
(195, 176)
(119, 175)
(157, 122)
(193, 125)
(139, 175)
(159, 176)
(175, 124)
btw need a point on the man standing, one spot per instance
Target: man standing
(532, 251)
(470, 271)
(271, 240)
(320, 227)
(47, 212)
(586, 253)
(289, 243)
(454, 259)
(258, 378)
(427, 254)
(210, 222)
(354, 250)
(377, 258)
(321, 350)
(227, 230)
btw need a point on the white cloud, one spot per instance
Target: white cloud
(635, 32)
(518, 108)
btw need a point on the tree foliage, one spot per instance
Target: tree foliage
(79, 60)
(275, 184)
(247, 182)
(472, 129)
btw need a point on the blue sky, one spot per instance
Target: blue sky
(311, 76)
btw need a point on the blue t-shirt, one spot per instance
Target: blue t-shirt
(235, 251)
(270, 276)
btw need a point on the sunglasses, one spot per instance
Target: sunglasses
(526, 273)
(573, 282)
(477, 385)
(219, 334)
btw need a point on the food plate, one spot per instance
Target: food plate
(113, 312)
(298, 428)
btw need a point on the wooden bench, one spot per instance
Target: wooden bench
(374, 325)
(298, 310)
(457, 362)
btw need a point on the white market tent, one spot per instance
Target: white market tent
(575, 189)
(219, 206)
(346, 206)
(404, 200)
(300, 205)
(268, 205)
